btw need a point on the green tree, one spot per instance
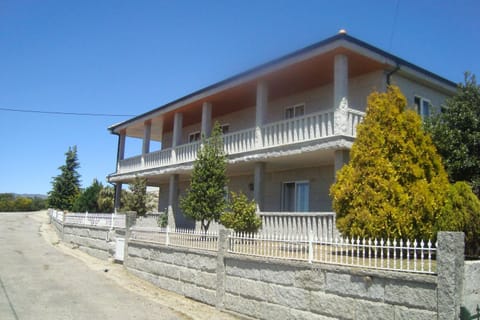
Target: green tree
(105, 199)
(242, 216)
(205, 199)
(462, 213)
(66, 186)
(136, 199)
(88, 199)
(456, 133)
(7, 202)
(395, 185)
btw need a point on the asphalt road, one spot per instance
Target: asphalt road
(39, 281)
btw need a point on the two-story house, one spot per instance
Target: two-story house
(287, 125)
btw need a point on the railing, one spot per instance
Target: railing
(90, 219)
(295, 130)
(354, 117)
(239, 141)
(299, 129)
(416, 257)
(187, 152)
(158, 158)
(322, 224)
(176, 237)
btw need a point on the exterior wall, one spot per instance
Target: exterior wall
(320, 178)
(359, 88)
(411, 89)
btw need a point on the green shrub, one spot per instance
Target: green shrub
(462, 213)
(242, 216)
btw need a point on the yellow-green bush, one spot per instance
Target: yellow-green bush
(242, 216)
(395, 185)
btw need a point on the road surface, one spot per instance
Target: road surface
(41, 278)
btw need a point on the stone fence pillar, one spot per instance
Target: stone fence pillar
(450, 265)
(223, 246)
(130, 221)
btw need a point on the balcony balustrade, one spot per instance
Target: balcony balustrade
(296, 130)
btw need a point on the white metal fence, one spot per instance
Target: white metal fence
(409, 256)
(110, 220)
(187, 238)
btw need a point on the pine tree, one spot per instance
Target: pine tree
(395, 185)
(136, 199)
(87, 200)
(205, 198)
(66, 186)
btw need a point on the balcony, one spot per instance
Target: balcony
(282, 133)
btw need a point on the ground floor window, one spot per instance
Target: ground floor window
(295, 196)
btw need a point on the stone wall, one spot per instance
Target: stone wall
(471, 286)
(96, 241)
(187, 272)
(274, 289)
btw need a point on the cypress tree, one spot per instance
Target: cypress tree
(395, 185)
(66, 186)
(205, 199)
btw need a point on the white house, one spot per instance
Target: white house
(288, 125)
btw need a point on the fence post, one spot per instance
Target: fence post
(450, 267)
(130, 220)
(167, 236)
(223, 246)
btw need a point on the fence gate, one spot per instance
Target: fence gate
(119, 249)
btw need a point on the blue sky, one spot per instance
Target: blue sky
(127, 57)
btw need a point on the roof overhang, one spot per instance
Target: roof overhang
(304, 69)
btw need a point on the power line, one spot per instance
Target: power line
(394, 24)
(84, 114)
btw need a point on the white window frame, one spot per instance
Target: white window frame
(296, 182)
(420, 108)
(194, 134)
(223, 126)
(294, 108)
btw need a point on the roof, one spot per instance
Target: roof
(339, 40)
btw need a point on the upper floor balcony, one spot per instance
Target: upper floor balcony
(313, 127)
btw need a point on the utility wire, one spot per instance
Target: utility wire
(394, 24)
(85, 114)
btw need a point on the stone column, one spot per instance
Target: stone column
(259, 185)
(172, 200)
(146, 137)
(121, 148)
(260, 111)
(341, 158)
(177, 134)
(118, 195)
(450, 267)
(340, 93)
(206, 119)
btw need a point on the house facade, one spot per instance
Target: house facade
(288, 125)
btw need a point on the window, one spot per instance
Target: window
(224, 128)
(194, 136)
(295, 196)
(422, 106)
(294, 111)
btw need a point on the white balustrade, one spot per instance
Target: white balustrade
(322, 224)
(239, 141)
(187, 152)
(354, 117)
(158, 158)
(309, 127)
